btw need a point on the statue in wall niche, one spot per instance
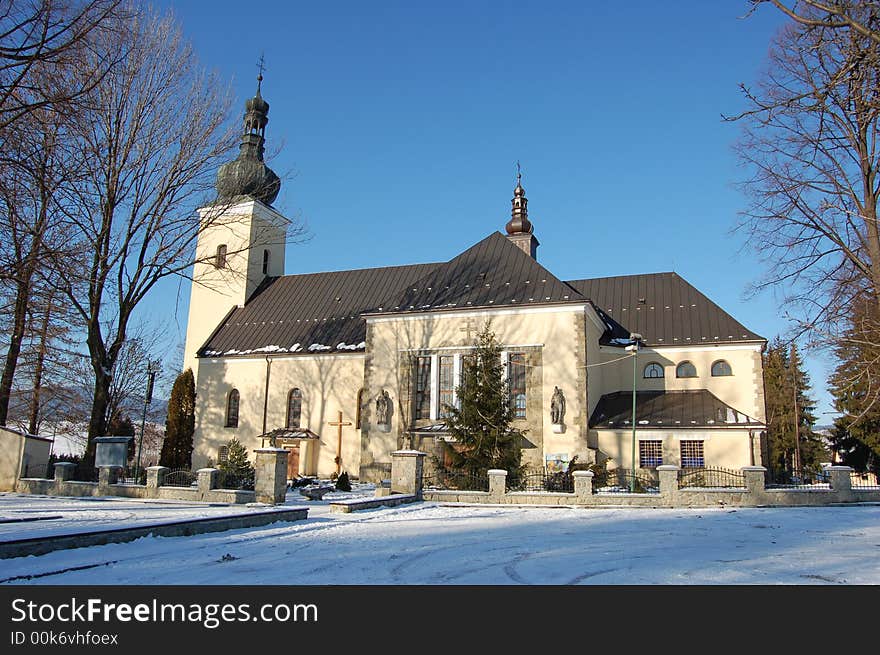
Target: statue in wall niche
(383, 409)
(557, 407)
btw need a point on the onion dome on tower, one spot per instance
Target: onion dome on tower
(519, 228)
(247, 175)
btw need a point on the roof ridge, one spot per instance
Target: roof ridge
(358, 270)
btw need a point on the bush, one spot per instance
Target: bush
(342, 482)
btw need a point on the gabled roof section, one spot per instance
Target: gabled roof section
(698, 408)
(492, 273)
(664, 308)
(318, 312)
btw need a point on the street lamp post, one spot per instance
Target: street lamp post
(635, 338)
(148, 398)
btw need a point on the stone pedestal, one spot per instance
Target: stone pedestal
(841, 482)
(64, 471)
(497, 482)
(270, 475)
(406, 472)
(207, 480)
(156, 476)
(668, 479)
(583, 485)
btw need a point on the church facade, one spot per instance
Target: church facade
(343, 368)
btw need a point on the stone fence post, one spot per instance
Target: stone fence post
(156, 476)
(406, 472)
(270, 475)
(668, 479)
(64, 471)
(108, 475)
(207, 480)
(841, 482)
(583, 486)
(754, 476)
(497, 482)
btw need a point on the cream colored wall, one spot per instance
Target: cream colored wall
(329, 383)
(247, 229)
(725, 448)
(555, 330)
(744, 390)
(11, 450)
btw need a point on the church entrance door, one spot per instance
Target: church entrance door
(293, 462)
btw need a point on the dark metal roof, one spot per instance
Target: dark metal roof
(491, 273)
(323, 312)
(664, 409)
(664, 308)
(317, 312)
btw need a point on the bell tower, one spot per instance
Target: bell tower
(241, 239)
(519, 228)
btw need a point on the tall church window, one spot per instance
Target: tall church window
(232, 409)
(516, 376)
(653, 370)
(686, 370)
(360, 407)
(294, 408)
(220, 257)
(447, 383)
(265, 262)
(721, 368)
(422, 408)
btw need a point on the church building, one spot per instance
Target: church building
(343, 368)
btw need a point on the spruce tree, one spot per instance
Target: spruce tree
(180, 424)
(481, 424)
(783, 373)
(237, 471)
(856, 434)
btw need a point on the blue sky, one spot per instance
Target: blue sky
(401, 123)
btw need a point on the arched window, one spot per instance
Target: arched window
(360, 406)
(653, 370)
(265, 262)
(232, 409)
(720, 368)
(686, 370)
(294, 408)
(220, 257)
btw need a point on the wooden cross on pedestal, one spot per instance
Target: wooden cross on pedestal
(338, 424)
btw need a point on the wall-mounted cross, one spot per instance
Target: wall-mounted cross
(339, 424)
(470, 325)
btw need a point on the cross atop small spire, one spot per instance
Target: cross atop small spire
(518, 173)
(261, 66)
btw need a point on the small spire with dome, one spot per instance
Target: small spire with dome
(247, 175)
(519, 228)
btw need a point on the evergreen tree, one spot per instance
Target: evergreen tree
(237, 471)
(180, 424)
(856, 434)
(481, 425)
(783, 373)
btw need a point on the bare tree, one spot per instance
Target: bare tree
(51, 35)
(810, 142)
(833, 14)
(153, 134)
(34, 167)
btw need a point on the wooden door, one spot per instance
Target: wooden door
(293, 463)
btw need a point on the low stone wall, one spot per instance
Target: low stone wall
(348, 506)
(206, 491)
(752, 494)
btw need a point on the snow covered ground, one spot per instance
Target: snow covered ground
(443, 544)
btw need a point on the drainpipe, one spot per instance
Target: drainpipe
(266, 395)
